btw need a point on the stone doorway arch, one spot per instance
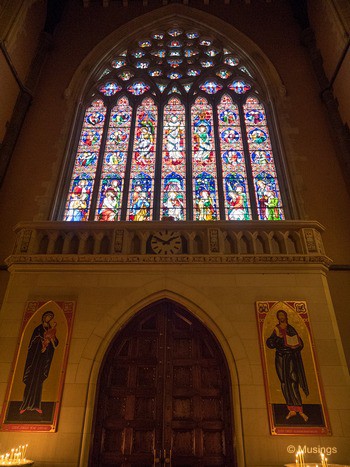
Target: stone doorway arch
(164, 394)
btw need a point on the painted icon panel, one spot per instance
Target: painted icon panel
(294, 393)
(34, 392)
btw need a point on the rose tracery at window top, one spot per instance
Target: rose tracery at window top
(176, 128)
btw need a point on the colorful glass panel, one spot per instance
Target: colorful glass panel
(126, 75)
(110, 88)
(118, 63)
(174, 62)
(174, 75)
(190, 52)
(145, 43)
(173, 192)
(114, 163)
(203, 161)
(211, 52)
(240, 87)
(175, 43)
(138, 88)
(205, 42)
(138, 53)
(223, 73)
(211, 87)
(192, 34)
(175, 32)
(79, 197)
(231, 61)
(207, 63)
(158, 36)
(155, 72)
(143, 162)
(142, 64)
(193, 72)
(267, 193)
(159, 53)
(237, 204)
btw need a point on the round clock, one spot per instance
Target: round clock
(166, 242)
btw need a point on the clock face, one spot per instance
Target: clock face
(166, 242)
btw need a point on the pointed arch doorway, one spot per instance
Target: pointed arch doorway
(163, 396)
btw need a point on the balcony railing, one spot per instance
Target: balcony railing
(167, 241)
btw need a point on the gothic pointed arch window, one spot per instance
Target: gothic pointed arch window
(175, 127)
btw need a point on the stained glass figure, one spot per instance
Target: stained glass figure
(86, 158)
(174, 53)
(174, 133)
(155, 72)
(211, 87)
(203, 155)
(268, 197)
(205, 198)
(192, 34)
(140, 198)
(138, 88)
(240, 87)
(266, 186)
(143, 161)
(110, 88)
(114, 163)
(91, 138)
(236, 197)
(231, 61)
(158, 36)
(233, 163)
(118, 63)
(223, 73)
(173, 193)
(110, 198)
(77, 208)
(173, 199)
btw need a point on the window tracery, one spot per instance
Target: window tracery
(175, 128)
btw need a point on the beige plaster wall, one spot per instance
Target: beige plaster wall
(223, 298)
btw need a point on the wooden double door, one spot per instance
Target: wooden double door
(163, 395)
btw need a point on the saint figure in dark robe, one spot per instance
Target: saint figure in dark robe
(289, 364)
(41, 350)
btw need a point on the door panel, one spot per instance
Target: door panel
(164, 388)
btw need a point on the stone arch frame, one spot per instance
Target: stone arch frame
(267, 77)
(201, 308)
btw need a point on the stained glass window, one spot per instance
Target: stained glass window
(143, 162)
(77, 206)
(266, 185)
(237, 205)
(203, 162)
(173, 193)
(178, 130)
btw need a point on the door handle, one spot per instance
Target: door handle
(156, 460)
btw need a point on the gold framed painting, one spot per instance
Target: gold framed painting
(294, 394)
(35, 387)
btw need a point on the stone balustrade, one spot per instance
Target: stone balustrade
(168, 241)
